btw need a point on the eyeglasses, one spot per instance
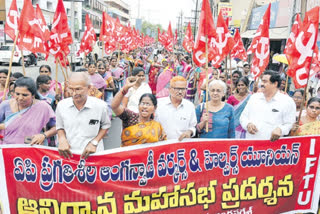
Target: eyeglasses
(77, 90)
(297, 98)
(313, 107)
(215, 90)
(179, 89)
(145, 104)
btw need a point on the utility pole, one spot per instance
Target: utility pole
(195, 20)
(303, 8)
(72, 33)
(72, 3)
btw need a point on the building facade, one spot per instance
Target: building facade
(119, 9)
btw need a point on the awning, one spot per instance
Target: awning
(274, 33)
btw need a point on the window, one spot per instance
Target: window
(49, 6)
(34, 2)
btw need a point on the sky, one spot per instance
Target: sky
(162, 11)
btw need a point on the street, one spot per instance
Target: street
(113, 139)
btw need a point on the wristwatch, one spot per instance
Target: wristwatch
(94, 142)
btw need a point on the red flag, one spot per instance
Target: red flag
(301, 51)
(169, 42)
(89, 37)
(60, 36)
(42, 22)
(12, 21)
(224, 41)
(103, 27)
(261, 52)
(296, 27)
(188, 42)
(30, 34)
(238, 51)
(206, 28)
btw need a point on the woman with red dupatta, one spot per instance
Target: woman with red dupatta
(153, 73)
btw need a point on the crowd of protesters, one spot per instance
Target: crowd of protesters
(158, 96)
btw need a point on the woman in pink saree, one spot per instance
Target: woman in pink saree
(163, 81)
(23, 118)
(46, 70)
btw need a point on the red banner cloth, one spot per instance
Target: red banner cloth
(200, 176)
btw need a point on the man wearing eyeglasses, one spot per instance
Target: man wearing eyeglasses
(82, 120)
(176, 114)
(270, 114)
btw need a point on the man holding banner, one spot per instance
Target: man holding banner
(82, 120)
(270, 114)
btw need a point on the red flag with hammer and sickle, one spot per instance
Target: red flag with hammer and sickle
(303, 49)
(261, 52)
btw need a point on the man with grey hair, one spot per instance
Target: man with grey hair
(82, 120)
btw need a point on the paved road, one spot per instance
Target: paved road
(33, 71)
(113, 139)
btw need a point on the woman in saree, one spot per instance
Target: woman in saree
(99, 85)
(239, 101)
(131, 100)
(163, 81)
(23, 118)
(117, 73)
(46, 70)
(309, 123)
(138, 128)
(153, 73)
(103, 70)
(192, 77)
(3, 78)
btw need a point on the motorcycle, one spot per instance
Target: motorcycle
(30, 59)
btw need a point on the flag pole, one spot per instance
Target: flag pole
(57, 60)
(287, 79)
(207, 84)
(103, 49)
(61, 67)
(118, 60)
(231, 88)
(23, 67)
(10, 66)
(305, 91)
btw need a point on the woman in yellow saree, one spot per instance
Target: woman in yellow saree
(138, 128)
(309, 123)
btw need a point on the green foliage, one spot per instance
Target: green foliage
(153, 29)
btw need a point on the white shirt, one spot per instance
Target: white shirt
(134, 96)
(82, 126)
(176, 121)
(279, 112)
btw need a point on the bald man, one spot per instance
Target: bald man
(82, 120)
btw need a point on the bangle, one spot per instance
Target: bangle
(45, 136)
(124, 92)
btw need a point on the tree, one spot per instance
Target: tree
(150, 29)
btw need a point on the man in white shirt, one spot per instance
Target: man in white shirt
(82, 121)
(176, 114)
(270, 114)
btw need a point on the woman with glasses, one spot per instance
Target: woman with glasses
(131, 100)
(219, 115)
(309, 123)
(138, 128)
(298, 99)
